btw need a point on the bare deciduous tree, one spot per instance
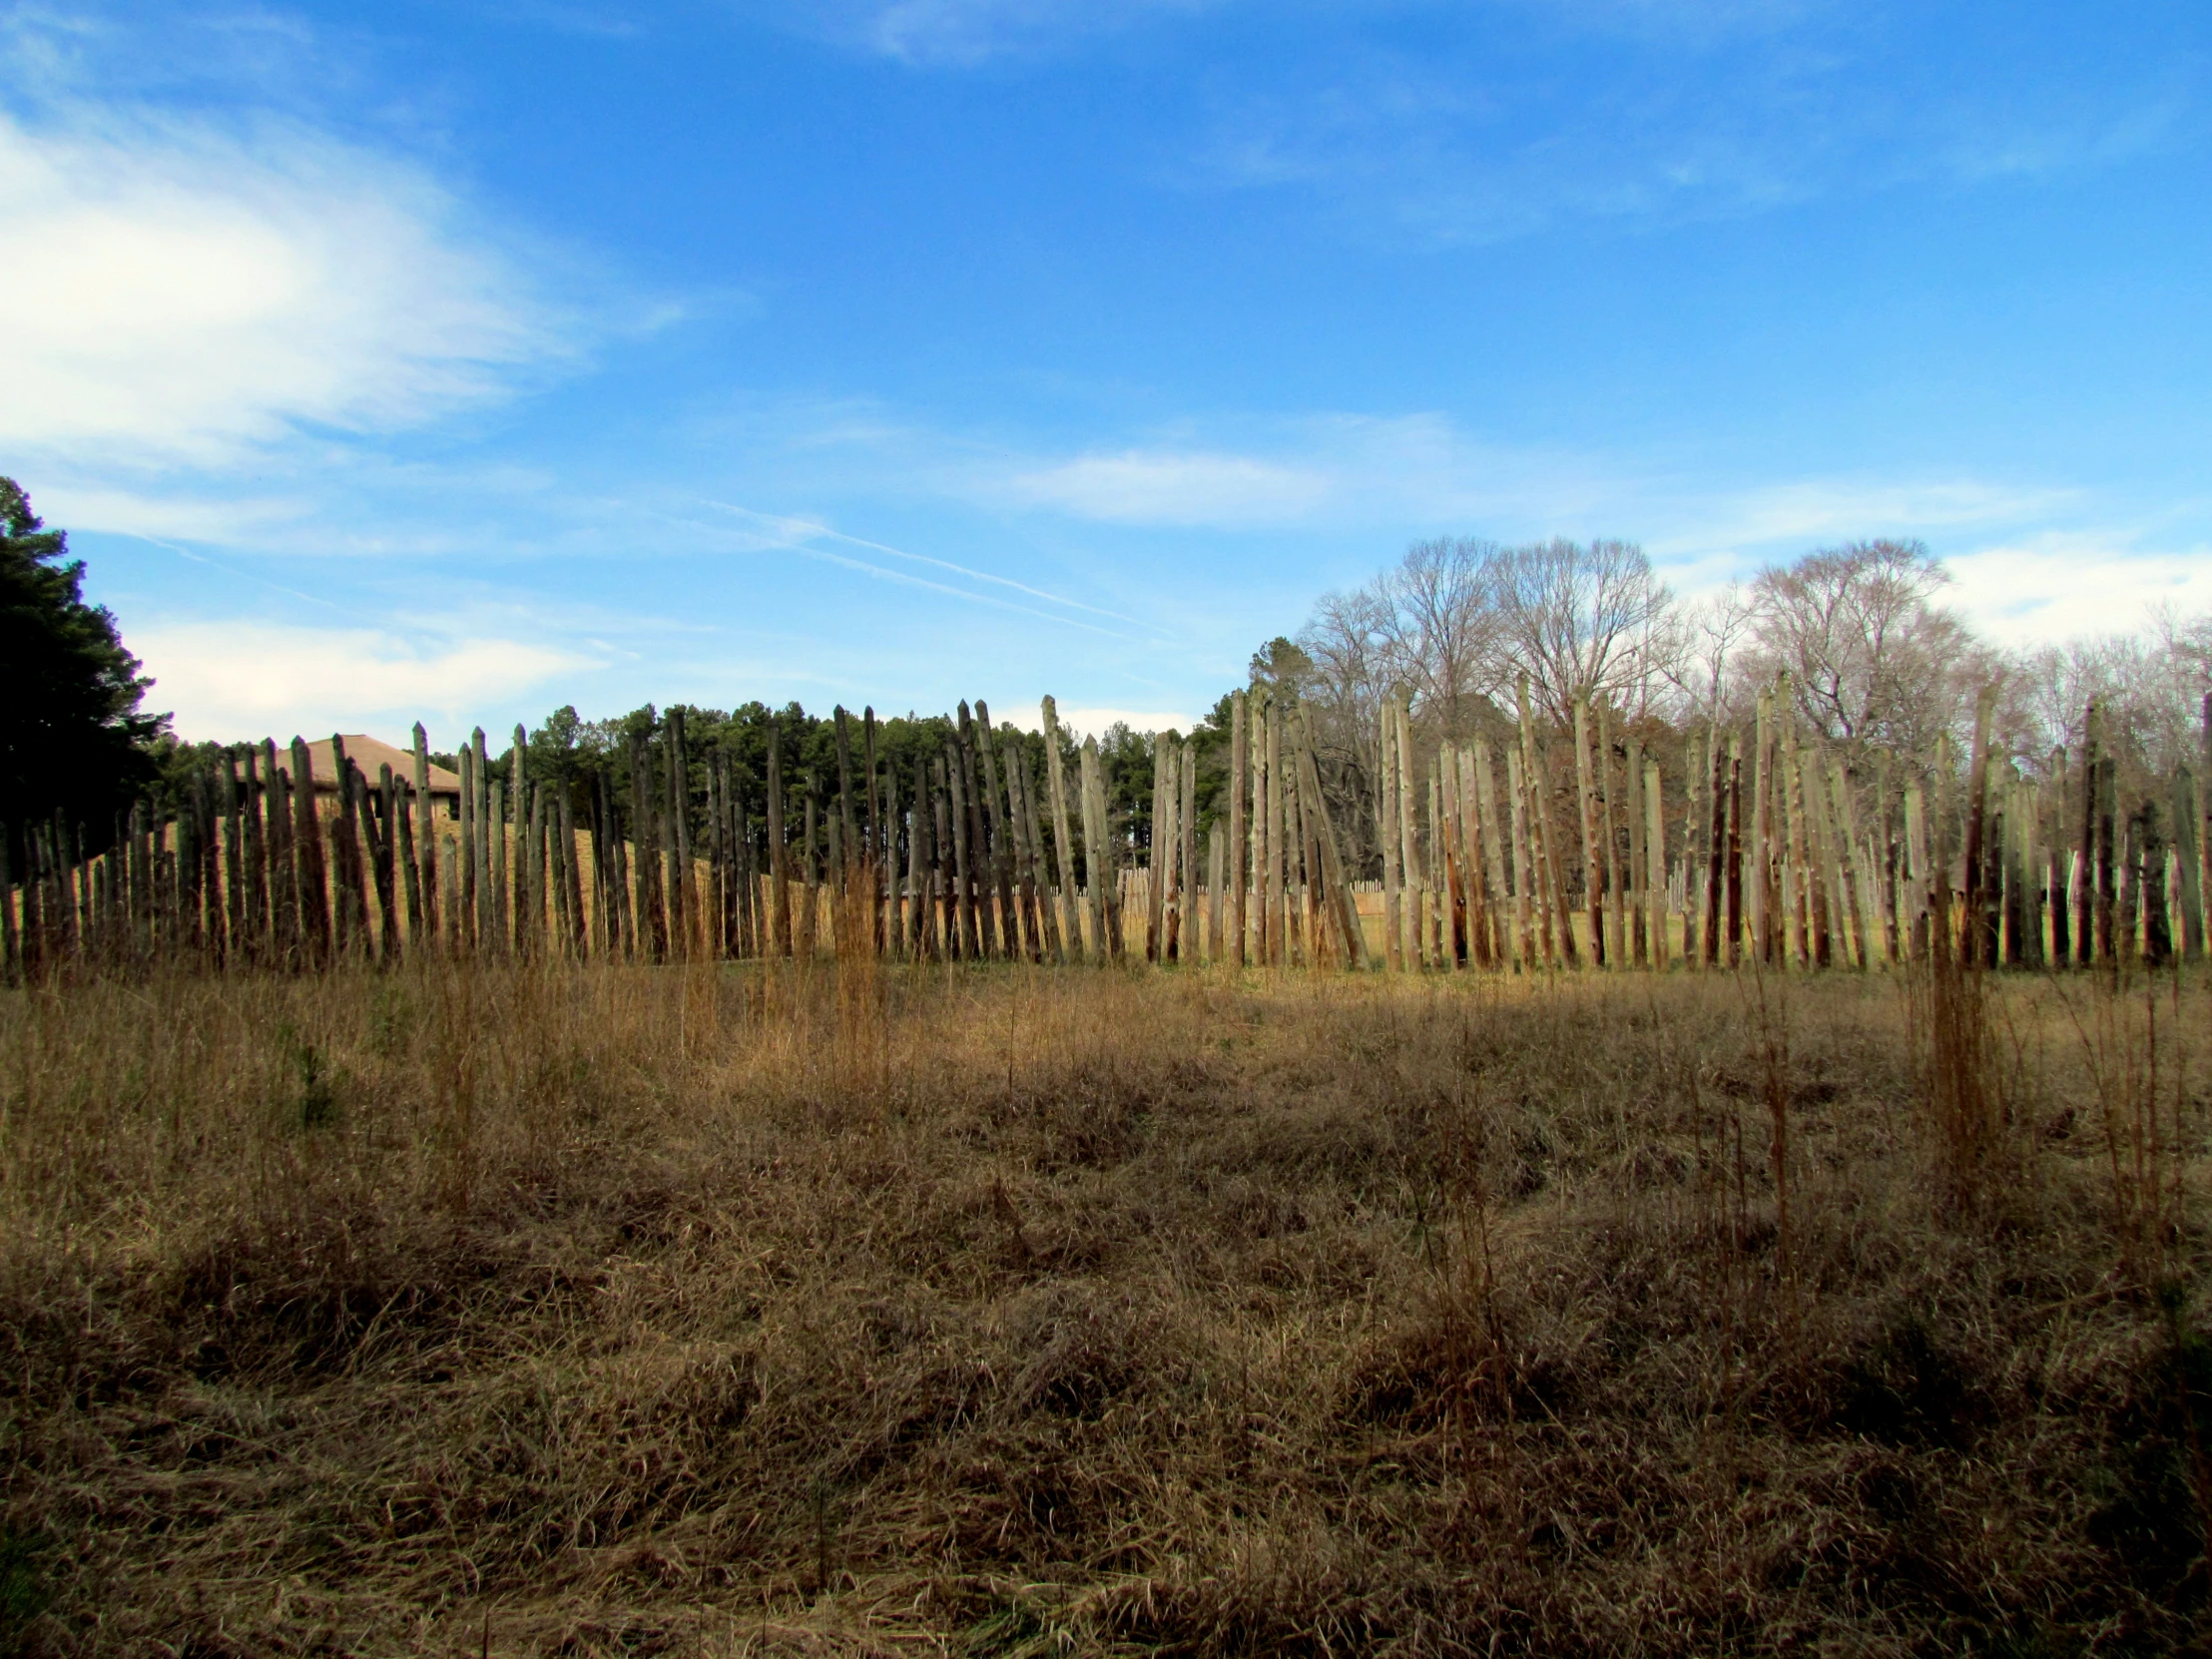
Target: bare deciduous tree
(1584, 619)
(1439, 625)
(1873, 660)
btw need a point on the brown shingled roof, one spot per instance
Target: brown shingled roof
(368, 754)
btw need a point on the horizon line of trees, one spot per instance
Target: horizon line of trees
(1877, 666)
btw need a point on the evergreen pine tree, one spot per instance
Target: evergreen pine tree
(72, 737)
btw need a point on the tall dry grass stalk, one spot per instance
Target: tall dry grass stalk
(829, 1306)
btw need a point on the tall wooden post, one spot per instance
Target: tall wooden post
(778, 875)
(306, 836)
(2107, 823)
(1386, 817)
(1475, 841)
(1217, 861)
(997, 825)
(1506, 938)
(1333, 875)
(1608, 804)
(683, 886)
(1097, 864)
(1593, 879)
(2086, 928)
(964, 854)
(1408, 836)
(2192, 881)
(1798, 878)
(468, 896)
(1639, 863)
(1978, 950)
(517, 883)
(1733, 851)
(1656, 882)
(1240, 786)
(427, 851)
(1525, 935)
(1063, 849)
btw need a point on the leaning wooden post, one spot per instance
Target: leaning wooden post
(1385, 822)
(411, 868)
(1336, 889)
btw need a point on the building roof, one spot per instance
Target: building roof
(368, 754)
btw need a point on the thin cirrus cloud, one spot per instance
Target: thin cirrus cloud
(1183, 490)
(204, 292)
(967, 33)
(1725, 111)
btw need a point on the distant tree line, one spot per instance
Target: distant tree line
(1457, 626)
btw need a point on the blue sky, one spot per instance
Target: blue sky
(462, 360)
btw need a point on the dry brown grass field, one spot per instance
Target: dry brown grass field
(729, 1310)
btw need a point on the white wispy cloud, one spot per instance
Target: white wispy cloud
(1091, 722)
(187, 292)
(1163, 488)
(2058, 586)
(239, 678)
(964, 33)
